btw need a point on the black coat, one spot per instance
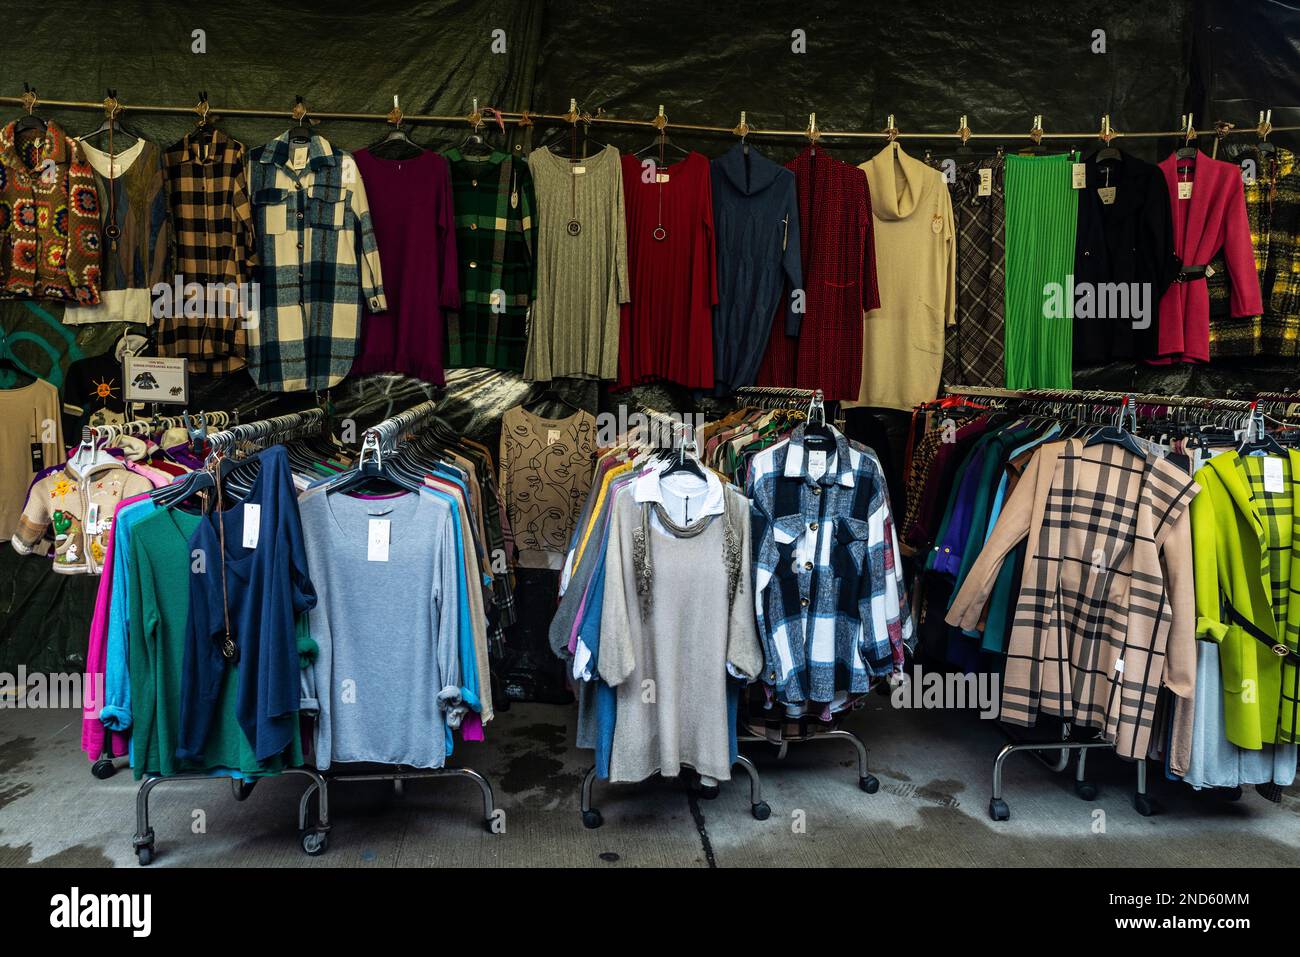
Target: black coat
(1128, 241)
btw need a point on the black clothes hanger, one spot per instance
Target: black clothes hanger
(113, 125)
(548, 394)
(1259, 440)
(301, 133)
(31, 121)
(397, 145)
(1118, 435)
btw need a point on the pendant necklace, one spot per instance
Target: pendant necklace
(574, 227)
(659, 233)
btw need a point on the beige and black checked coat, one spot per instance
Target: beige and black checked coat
(1106, 612)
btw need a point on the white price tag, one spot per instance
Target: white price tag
(1080, 176)
(661, 177)
(816, 464)
(1185, 189)
(577, 170)
(92, 519)
(377, 541)
(1106, 194)
(1273, 483)
(1209, 271)
(986, 183)
(299, 157)
(552, 436)
(252, 524)
(1119, 666)
(349, 172)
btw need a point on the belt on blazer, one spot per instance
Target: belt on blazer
(1250, 628)
(1190, 273)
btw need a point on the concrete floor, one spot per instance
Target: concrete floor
(934, 769)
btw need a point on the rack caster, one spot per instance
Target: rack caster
(592, 819)
(761, 811)
(241, 788)
(1086, 790)
(1143, 804)
(144, 852)
(315, 841)
(869, 783)
(103, 769)
(1231, 794)
(998, 810)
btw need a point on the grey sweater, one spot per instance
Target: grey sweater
(388, 666)
(669, 667)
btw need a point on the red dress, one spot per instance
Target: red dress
(839, 274)
(666, 330)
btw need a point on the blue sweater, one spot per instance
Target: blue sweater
(267, 587)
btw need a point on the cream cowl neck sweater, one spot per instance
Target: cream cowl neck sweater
(916, 268)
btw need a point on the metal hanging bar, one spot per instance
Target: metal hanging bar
(660, 121)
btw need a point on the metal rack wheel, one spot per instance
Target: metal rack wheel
(315, 841)
(103, 769)
(592, 819)
(144, 848)
(998, 809)
(1085, 790)
(1144, 805)
(762, 811)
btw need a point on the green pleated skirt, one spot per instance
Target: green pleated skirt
(1042, 211)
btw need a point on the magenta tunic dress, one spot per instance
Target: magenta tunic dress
(410, 203)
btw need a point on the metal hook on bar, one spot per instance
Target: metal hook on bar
(890, 131)
(1036, 132)
(660, 121)
(963, 130)
(1265, 124)
(395, 114)
(742, 128)
(812, 132)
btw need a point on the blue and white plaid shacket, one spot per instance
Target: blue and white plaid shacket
(832, 611)
(318, 260)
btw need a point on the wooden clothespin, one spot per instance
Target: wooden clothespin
(1107, 133)
(395, 114)
(1189, 131)
(812, 132)
(890, 130)
(572, 115)
(660, 122)
(475, 118)
(742, 128)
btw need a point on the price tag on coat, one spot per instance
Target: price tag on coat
(252, 524)
(299, 160)
(1080, 175)
(986, 183)
(579, 169)
(349, 172)
(552, 436)
(377, 541)
(1273, 482)
(1184, 190)
(1106, 194)
(816, 465)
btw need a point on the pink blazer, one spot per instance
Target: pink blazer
(1214, 217)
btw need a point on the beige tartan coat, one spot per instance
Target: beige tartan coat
(1106, 611)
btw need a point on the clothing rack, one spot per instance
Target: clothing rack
(299, 113)
(1085, 789)
(803, 402)
(292, 423)
(314, 839)
(378, 441)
